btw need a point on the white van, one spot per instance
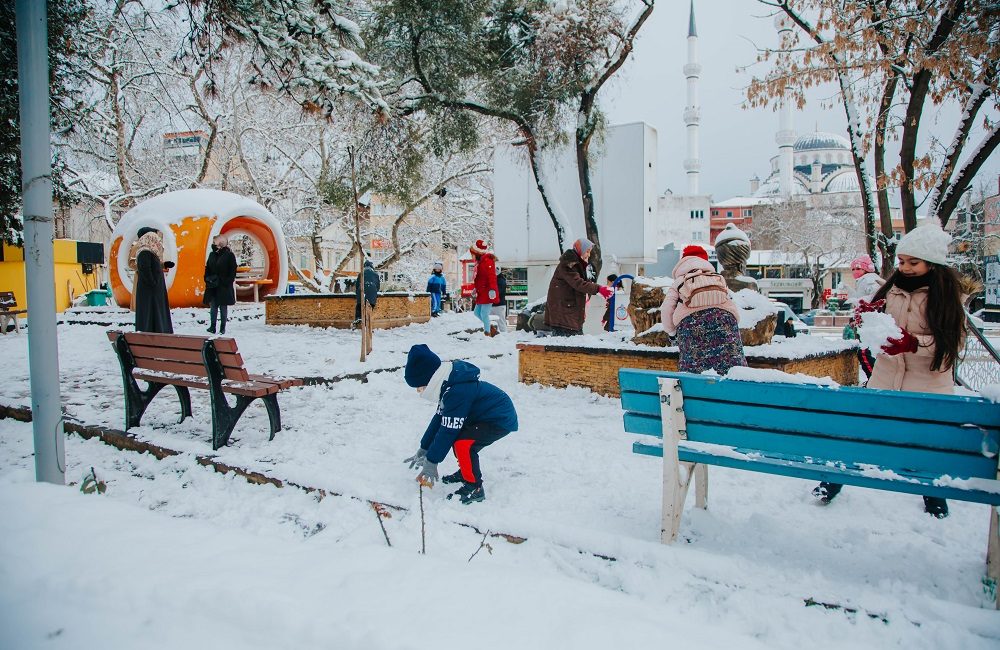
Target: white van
(784, 314)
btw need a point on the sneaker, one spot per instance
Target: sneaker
(936, 507)
(826, 492)
(469, 493)
(453, 478)
(211, 330)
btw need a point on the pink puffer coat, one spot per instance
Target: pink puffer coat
(911, 370)
(673, 311)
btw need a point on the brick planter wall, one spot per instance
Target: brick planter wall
(337, 309)
(597, 368)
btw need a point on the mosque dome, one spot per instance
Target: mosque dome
(843, 182)
(821, 140)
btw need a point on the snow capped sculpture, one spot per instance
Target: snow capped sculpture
(188, 220)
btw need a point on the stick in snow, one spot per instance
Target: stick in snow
(381, 512)
(482, 544)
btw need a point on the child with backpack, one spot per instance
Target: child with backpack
(699, 313)
(471, 414)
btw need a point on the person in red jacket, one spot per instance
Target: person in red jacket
(485, 280)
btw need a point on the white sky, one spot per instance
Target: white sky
(735, 143)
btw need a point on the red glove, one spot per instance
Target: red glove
(905, 343)
(864, 307)
(606, 292)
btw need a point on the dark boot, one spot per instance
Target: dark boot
(827, 492)
(469, 493)
(453, 478)
(936, 507)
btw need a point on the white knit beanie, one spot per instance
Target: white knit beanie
(927, 242)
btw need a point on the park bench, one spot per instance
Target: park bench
(920, 443)
(9, 312)
(183, 361)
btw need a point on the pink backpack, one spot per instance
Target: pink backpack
(703, 289)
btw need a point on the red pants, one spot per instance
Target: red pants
(470, 441)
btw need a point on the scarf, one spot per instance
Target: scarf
(911, 284)
(151, 242)
(433, 391)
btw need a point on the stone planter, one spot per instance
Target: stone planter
(337, 309)
(597, 368)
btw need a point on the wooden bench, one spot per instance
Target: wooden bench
(183, 361)
(9, 312)
(926, 444)
(252, 278)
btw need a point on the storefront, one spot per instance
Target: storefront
(796, 293)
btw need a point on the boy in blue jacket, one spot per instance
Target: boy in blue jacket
(471, 415)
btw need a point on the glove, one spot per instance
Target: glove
(864, 307)
(416, 459)
(428, 474)
(606, 292)
(905, 343)
(492, 295)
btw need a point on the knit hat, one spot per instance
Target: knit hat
(421, 364)
(927, 242)
(479, 248)
(862, 263)
(695, 251)
(582, 245)
(438, 266)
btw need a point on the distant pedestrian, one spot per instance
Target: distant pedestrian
(220, 278)
(485, 280)
(698, 311)
(152, 307)
(370, 282)
(437, 286)
(500, 304)
(566, 302)
(790, 328)
(866, 280)
(924, 297)
(608, 317)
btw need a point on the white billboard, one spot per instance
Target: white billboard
(623, 175)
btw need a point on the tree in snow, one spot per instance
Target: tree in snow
(894, 63)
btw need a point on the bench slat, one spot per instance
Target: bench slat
(955, 409)
(846, 425)
(922, 485)
(228, 360)
(246, 388)
(180, 341)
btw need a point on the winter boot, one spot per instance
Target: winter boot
(469, 493)
(494, 330)
(453, 478)
(936, 507)
(826, 492)
(211, 330)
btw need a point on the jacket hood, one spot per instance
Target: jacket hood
(691, 263)
(462, 372)
(570, 256)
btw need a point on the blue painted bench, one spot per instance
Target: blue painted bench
(933, 445)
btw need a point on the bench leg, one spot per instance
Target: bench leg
(185, 398)
(137, 400)
(676, 475)
(701, 486)
(993, 554)
(273, 413)
(225, 417)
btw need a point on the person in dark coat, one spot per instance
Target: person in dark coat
(566, 303)
(500, 304)
(220, 276)
(437, 286)
(152, 309)
(471, 415)
(371, 284)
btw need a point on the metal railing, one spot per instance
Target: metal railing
(978, 361)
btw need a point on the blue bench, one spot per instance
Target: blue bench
(933, 445)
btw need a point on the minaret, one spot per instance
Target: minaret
(692, 111)
(785, 137)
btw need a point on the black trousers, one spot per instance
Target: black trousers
(470, 441)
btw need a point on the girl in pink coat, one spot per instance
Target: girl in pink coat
(708, 335)
(924, 297)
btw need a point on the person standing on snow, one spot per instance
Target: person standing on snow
(924, 297)
(369, 283)
(437, 286)
(152, 308)
(566, 302)
(500, 304)
(220, 276)
(485, 279)
(471, 415)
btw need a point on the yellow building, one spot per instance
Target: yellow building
(77, 270)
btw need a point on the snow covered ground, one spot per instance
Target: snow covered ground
(177, 555)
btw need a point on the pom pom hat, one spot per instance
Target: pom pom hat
(479, 248)
(927, 242)
(695, 251)
(862, 263)
(421, 364)
(582, 245)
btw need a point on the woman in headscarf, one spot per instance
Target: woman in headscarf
(152, 310)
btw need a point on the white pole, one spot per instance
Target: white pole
(36, 190)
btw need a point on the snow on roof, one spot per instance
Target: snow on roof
(742, 201)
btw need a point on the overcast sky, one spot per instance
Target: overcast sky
(736, 143)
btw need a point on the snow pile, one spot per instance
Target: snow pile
(991, 392)
(876, 329)
(647, 282)
(768, 376)
(754, 307)
(800, 347)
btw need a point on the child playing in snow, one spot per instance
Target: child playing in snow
(707, 330)
(924, 297)
(471, 415)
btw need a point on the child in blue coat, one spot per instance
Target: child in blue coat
(471, 415)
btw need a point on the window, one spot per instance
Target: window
(772, 272)
(748, 212)
(715, 213)
(729, 213)
(697, 214)
(755, 272)
(696, 235)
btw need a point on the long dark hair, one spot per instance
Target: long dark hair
(944, 312)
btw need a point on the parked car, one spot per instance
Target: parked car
(808, 317)
(784, 314)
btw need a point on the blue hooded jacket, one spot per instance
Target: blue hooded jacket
(465, 401)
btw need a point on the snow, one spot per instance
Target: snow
(754, 307)
(767, 375)
(876, 329)
(177, 555)
(991, 392)
(731, 232)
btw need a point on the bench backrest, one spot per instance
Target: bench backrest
(7, 300)
(182, 353)
(913, 433)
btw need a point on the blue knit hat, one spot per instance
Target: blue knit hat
(421, 364)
